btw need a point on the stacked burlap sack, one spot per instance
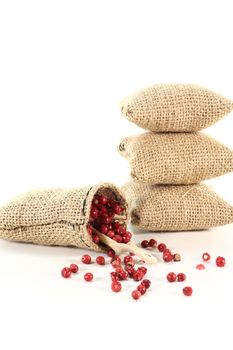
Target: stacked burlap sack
(169, 161)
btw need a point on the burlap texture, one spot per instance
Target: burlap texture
(176, 208)
(175, 108)
(54, 217)
(175, 158)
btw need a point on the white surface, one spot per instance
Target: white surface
(64, 67)
(42, 308)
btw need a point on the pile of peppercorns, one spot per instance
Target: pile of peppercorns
(107, 216)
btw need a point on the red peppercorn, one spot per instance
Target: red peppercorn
(171, 277)
(181, 277)
(115, 264)
(111, 253)
(86, 259)
(104, 229)
(142, 289)
(116, 286)
(146, 283)
(162, 247)
(200, 267)
(167, 257)
(129, 234)
(117, 238)
(96, 239)
(130, 270)
(100, 260)
(143, 269)
(111, 234)
(115, 225)
(102, 210)
(95, 201)
(220, 261)
(138, 275)
(128, 259)
(114, 276)
(122, 274)
(117, 209)
(144, 243)
(103, 200)
(136, 294)
(105, 219)
(90, 230)
(127, 237)
(121, 230)
(206, 256)
(66, 272)
(116, 261)
(94, 213)
(152, 243)
(74, 268)
(187, 291)
(88, 276)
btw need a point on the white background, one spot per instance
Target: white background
(64, 67)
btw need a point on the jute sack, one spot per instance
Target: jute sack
(181, 158)
(175, 108)
(54, 217)
(176, 208)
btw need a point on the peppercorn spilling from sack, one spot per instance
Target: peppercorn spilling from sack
(169, 162)
(108, 217)
(66, 217)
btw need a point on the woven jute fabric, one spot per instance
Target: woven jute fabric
(175, 158)
(54, 217)
(175, 108)
(176, 208)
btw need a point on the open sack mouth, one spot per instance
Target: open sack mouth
(108, 215)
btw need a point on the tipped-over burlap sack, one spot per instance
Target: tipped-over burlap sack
(182, 158)
(176, 208)
(54, 217)
(175, 108)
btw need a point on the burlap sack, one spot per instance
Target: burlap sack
(175, 108)
(176, 208)
(182, 158)
(54, 217)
